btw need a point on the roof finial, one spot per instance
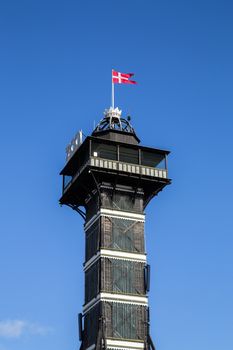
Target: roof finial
(113, 121)
(113, 116)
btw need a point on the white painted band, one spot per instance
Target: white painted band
(116, 214)
(124, 214)
(124, 344)
(114, 254)
(120, 345)
(123, 297)
(116, 298)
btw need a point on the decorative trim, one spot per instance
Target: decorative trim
(122, 189)
(124, 298)
(116, 298)
(117, 254)
(116, 214)
(121, 344)
(114, 254)
(123, 214)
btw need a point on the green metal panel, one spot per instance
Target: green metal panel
(122, 234)
(92, 240)
(91, 325)
(122, 276)
(125, 321)
(92, 281)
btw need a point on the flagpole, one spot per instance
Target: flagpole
(112, 91)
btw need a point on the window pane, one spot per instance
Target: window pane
(104, 151)
(128, 155)
(155, 160)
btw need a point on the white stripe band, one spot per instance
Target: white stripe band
(114, 254)
(116, 298)
(124, 214)
(116, 214)
(121, 344)
(124, 297)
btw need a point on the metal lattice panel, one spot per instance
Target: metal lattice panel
(125, 321)
(122, 234)
(92, 240)
(92, 206)
(91, 325)
(118, 200)
(92, 284)
(122, 276)
(114, 276)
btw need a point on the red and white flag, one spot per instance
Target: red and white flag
(122, 78)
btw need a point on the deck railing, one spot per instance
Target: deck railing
(120, 166)
(127, 167)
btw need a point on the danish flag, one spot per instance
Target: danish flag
(122, 78)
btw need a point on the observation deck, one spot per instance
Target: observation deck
(132, 162)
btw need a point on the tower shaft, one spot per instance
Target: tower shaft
(116, 306)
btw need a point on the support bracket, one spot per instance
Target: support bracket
(151, 344)
(79, 211)
(97, 186)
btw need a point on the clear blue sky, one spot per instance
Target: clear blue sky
(55, 78)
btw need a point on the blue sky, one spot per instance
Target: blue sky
(55, 67)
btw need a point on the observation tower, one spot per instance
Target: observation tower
(109, 179)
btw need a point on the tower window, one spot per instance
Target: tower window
(128, 155)
(104, 151)
(155, 160)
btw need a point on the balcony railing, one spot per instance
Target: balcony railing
(127, 167)
(118, 166)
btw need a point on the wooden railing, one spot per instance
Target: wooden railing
(120, 166)
(127, 167)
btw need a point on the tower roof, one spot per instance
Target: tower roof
(115, 128)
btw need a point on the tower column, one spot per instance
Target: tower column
(116, 303)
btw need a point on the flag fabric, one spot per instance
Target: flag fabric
(122, 78)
